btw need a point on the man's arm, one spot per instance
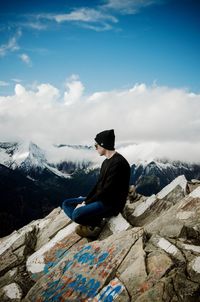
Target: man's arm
(112, 178)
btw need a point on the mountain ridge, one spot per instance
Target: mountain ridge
(52, 181)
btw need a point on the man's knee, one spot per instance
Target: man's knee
(77, 216)
(64, 204)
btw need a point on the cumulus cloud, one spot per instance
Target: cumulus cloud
(26, 59)
(74, 91)
(149, 122)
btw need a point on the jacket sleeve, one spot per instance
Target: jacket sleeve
(108, 186)
(91, 194)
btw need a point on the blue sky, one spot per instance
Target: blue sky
(109, 44)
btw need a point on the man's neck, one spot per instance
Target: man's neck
(109, 153)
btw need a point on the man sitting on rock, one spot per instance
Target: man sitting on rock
(108, 196)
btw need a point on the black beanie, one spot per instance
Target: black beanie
(106, 139)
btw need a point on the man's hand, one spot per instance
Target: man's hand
(80, 205)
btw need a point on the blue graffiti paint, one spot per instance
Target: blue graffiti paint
(90, 257)
(102, 258)
(51, 264)
(51, 290)
(80, 284)
(68, 264)
(48, 265)
(86, 258)
(110, 293)
(93, 286)
(59, 253)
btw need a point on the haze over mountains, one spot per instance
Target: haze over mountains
(33, 181)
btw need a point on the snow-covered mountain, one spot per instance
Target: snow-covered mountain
(64, 160)
(150, 177)
(33, 181)
(26, 155)
(29, 158)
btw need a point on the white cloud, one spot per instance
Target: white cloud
(35, 25)
(84, 15)
(95, 19)
(128, 6)
(162, 121)
(4, 84)
(100, 18)
(26, 59)
(74, 91)
(11, 45)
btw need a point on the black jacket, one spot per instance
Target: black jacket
(113, 184)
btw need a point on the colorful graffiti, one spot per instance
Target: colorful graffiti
(82, 272)
(110, 292)
(70, 282)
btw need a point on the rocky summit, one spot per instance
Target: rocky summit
(149, 253)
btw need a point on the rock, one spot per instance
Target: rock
(82, 273)
(196, 192)
(193, 184)
(178, 181)
(185, 289)
(168, 247)
(141, 208)
(11, 292)
(132, 255)
(133, 196)
(154, 294)
(114, 291)
(195, 249)
(53, 223)
(149, 209)
(114, 225)
(141, 271)
(194, 269)
(15, 248)
(157, 260)
(118, 224)
(135, 273)
(181, 220)
(9, 277)
(40, 262)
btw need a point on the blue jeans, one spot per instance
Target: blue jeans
(90, 214)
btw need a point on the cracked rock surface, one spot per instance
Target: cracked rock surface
(149, 253)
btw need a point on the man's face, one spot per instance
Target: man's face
(100, 149)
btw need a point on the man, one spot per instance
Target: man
(108, 196)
